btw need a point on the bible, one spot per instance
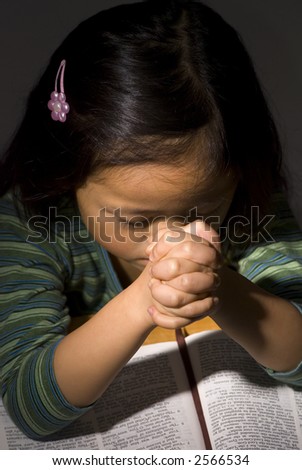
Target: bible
(199, 392)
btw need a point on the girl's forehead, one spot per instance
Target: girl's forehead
(178, 165)
(150, 178)
(154, 186)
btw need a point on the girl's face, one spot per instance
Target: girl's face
(126, 206)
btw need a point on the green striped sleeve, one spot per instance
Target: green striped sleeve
(41, 283)
(34, 317)
(33, 398)
(276, 266)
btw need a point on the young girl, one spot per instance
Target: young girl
(146, 191)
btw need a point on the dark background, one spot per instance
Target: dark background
(30, 30)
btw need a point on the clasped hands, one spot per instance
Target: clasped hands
(184, 266)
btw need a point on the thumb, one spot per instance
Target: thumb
(205, 231)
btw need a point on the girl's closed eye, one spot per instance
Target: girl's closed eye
(135, 223)
(139, 224)
(143, 223)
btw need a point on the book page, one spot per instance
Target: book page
(244, 408)
(298, 399)
(148, 406)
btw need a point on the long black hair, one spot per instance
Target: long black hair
(143, 82)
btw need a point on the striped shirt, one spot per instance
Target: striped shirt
(50, 273)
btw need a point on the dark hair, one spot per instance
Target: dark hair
(143, 81)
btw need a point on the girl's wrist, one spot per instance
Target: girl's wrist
(136, 299)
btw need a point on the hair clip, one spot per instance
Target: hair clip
(57, 104)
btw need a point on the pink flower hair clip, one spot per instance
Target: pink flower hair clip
(58, 104)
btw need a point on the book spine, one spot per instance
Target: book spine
(193, 386)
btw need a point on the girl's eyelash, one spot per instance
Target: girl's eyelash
(135, 223)
(139, 223)
(144, 223)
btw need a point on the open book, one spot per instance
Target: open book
(150, 404)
